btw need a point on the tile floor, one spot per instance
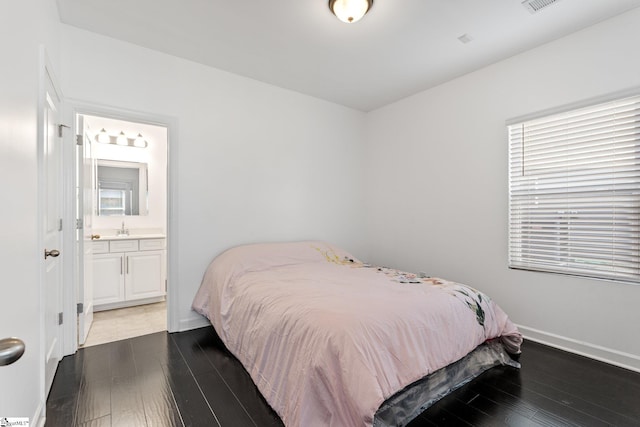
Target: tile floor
(123, 323)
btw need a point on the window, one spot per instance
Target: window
(574, 192)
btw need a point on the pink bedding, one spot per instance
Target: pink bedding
(327, 339)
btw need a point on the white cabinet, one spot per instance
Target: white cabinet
(108, 279)
(128, 272)
(144, 276)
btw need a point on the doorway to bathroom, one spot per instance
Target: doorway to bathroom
(121, 209)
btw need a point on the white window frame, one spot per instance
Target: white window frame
(574, 190)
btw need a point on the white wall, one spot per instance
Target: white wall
(255, 162)
(438, 199)
(154, 156)
(25, 25)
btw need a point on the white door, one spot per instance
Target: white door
(51, 169)
(86, 203)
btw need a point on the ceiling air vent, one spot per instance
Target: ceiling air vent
(534, 6)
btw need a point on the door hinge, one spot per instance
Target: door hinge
(60, 224)
(80, 308)
(60, 129)
(60, 318)
(79, 140)
(79, 224)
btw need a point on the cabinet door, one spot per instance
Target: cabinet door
(108, 278)
(145, 274)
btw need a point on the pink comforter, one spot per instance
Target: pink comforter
(327, 339)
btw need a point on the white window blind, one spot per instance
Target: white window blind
(574, 192)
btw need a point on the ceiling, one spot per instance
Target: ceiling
(399, 48)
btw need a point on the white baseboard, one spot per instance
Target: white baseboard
(593, 351)
(193, 322)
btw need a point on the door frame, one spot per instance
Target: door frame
(73, 108)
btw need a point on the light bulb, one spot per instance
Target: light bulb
(103, 137)
(122, 139)
(139, 141)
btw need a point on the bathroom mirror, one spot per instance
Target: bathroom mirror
(123, 188)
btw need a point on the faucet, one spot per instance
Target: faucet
(123, 231)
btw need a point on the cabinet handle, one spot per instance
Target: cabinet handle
(121, 264)
(127, 265)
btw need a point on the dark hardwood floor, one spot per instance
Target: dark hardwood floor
(190, 379)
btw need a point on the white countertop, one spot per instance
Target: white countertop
(132, 236)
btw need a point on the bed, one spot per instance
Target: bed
(332, 341)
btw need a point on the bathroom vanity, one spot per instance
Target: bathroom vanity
(128, 270)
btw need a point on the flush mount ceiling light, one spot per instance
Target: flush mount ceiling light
(350, 11)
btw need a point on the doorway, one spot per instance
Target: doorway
(121, 192)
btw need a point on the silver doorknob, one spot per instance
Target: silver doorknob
(11, 349)
(53, 252)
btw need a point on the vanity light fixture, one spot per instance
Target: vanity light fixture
(121, 139)
(350, 11)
